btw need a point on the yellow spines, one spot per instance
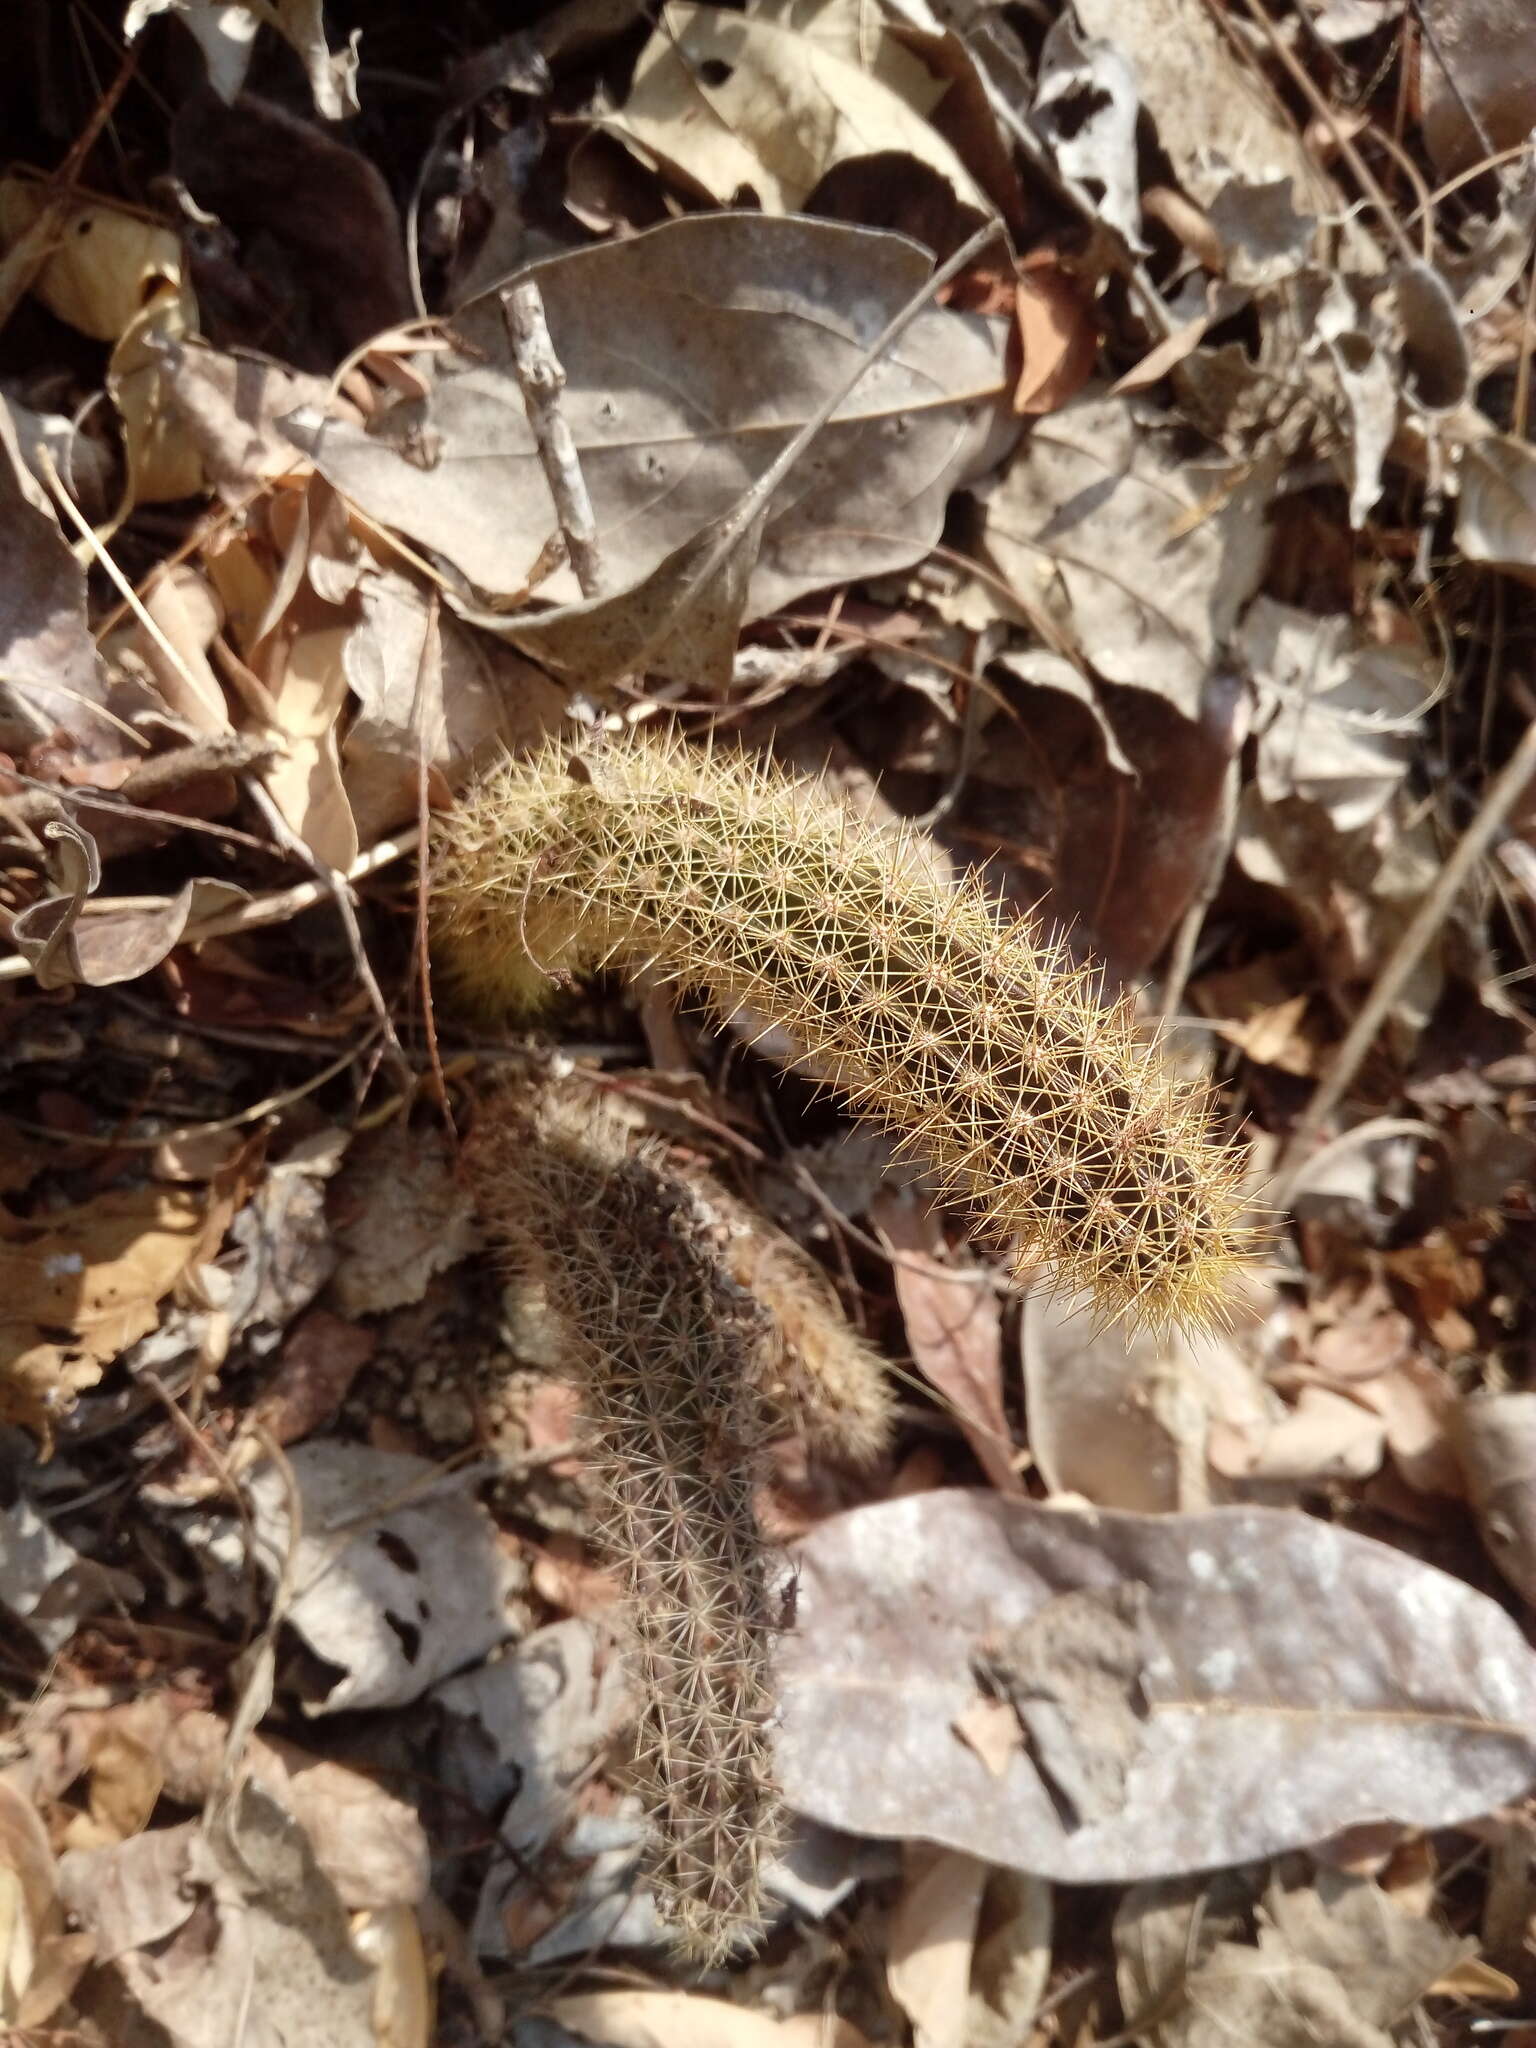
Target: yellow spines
(671, 1360)
(977, 1043)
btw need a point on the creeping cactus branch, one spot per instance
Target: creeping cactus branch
(979, 1044)
(671, 1359)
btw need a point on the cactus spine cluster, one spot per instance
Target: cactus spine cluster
(988, 1054)
(671, 1359)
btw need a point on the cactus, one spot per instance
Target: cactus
(977, 1043)
(671, 1360)
(830, 1386)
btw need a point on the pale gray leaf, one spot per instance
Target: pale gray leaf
(693, 353)
(1143, 558)
(1496, 520)
(1085, 110)
(1298, 1680)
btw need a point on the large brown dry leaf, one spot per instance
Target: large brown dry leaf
(734, 329)
(1294, 1680)
(1142, 558)
(97, 1273)
(768, 102)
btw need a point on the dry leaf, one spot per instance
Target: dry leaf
(1057, 330)
(97, 1272)
(225, 29)
(766, 103)
(762, 105)
(1297, 1680)
(1012, 1962)
(399, 1215)
(224, 1934)
(955, 1328)
(39, 1961)
(50, 675)
(680, 2019)
(1085, 108)
(1213, 113)
(398, 1575)
(307, 689)
(1142, 559)
(1495, 1439)
(672, 424)
(933, 1933)
(1337, 716)
(1496, 514)
(1336, 1962)
(451, 698)
(119, 277)
(69, 939)
(1123, 1421)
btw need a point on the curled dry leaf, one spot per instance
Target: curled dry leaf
(52, 677)
(119, 277)
(69, 941)
(1496, 516)
(1337, 1960)
(933, 1933)
(1294, 1680)
(397, 1573)
(226, 30)
(766, 103)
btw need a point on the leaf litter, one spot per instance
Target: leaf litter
(1173, 559)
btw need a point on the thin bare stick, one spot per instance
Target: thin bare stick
(219, 754)
(1182, 957)
(1503, 794)
(542, 378)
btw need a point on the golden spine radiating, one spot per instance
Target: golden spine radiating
(979, 1044)
(670, 1359)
